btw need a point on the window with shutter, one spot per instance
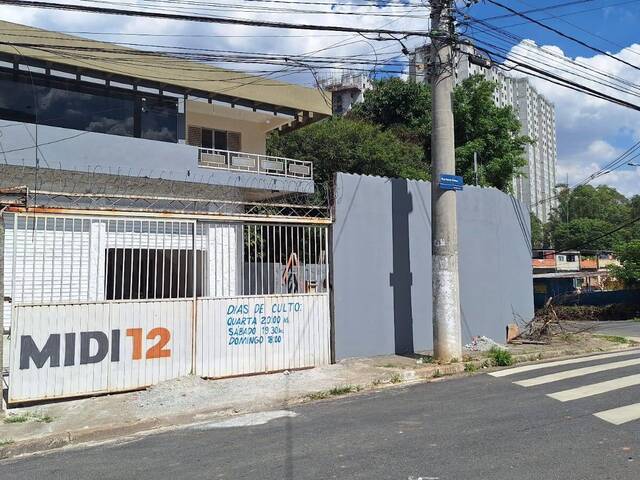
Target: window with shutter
(194, 136)
(218, 139)
(233, 140)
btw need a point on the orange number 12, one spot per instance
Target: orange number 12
(156, 351)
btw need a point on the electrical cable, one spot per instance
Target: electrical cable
(205, 19)
(562, 34)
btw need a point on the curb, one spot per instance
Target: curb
(59, 440)
(111, 432)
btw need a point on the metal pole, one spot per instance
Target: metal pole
(446, 297)
(475, 166)
(568, 197)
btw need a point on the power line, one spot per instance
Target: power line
(588, 32)
(514, 40)
(462, 23)
(615, 164)
(207, 19)
(537, 10)
(201, 7)
(551, 17)
(564, 35)
(169, 59)
(593, 76)
(546, 75)
(396, 3)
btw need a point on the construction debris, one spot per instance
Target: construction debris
(513, 332)
(547, 324)
(482, 344)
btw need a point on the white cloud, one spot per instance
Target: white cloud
(590, 131)
(243, 38)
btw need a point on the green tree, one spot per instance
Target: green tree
(581, 233)
(601, 208)
(402, 110)
(537, 232)
(351, 146)
(629, 270)
(634, 203)
(601, 202)
(403, 107)
(492, 132)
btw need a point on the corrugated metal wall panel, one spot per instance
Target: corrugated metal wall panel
(8, 257)
(224, 246)
(136, 355)
(244, 335)
(51, 259)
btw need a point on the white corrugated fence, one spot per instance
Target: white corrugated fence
(71, 349)
(103, 304)
(242, 335)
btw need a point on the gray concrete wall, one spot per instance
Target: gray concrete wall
(382, 264)
(73, 150)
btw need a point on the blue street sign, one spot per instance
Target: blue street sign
(450, 182)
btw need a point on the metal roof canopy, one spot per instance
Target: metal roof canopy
(24, 45)
(576, 274)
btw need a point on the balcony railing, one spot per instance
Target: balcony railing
(253, 162)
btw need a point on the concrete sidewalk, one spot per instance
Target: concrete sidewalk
(191, 399)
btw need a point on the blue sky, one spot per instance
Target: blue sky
(615, 20)
(590, 132)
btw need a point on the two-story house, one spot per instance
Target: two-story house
(140, 180)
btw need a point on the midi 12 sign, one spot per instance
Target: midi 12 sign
(450, 182)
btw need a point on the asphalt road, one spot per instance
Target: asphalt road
(480, 427)
(625, 328)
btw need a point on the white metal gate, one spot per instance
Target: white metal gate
(68, 275)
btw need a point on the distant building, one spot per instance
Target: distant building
(347, 89)
(561, 273)
(550, 261)
(568, 261)
(535, 112)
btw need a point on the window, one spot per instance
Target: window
(210, 138)
(66, 103)
(58, 105)
(561, 258)
(159, 119)
(133, 273)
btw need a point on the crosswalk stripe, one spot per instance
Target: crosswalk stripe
(620, 415)
(596, 388)
(554, 377)
(557, 363)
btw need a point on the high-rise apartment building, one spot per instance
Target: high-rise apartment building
(536, 188)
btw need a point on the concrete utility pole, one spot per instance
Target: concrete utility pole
(447, 341)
